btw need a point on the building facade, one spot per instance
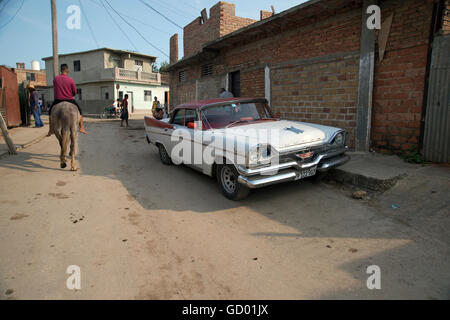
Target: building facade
(98, 73)
(310, 63)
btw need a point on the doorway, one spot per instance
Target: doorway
(130, 101)
(235, 83)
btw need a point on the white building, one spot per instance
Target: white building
(97, 74)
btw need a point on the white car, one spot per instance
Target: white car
(241, 143)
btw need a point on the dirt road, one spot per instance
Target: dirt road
(139, 229)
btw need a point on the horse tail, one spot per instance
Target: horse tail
(65, 138)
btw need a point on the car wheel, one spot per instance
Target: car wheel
(163, 155)
(227, 178)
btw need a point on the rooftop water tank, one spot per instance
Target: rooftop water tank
(35, 65)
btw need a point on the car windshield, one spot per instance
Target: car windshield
(226, 115)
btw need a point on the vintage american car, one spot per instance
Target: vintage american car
(244, 145)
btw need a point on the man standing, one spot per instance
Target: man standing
(35, 107)
(64, 90)
(225, 94)
(124, 115)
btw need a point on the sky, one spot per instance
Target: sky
(25, 25)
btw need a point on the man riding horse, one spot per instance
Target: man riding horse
(64, 90)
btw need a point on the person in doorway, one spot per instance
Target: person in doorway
(225, 94)
(35, 106)
(64, 90)
(124, 115)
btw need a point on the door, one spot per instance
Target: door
(436, 142)
(130, 101)
(235, 83)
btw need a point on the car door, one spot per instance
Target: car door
(178, 123)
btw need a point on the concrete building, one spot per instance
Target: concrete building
(97, 74)
(318, 62)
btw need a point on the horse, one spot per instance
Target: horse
(64, 121)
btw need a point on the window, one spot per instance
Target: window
(106, 95)
(77, 65)
(147, 95)
(178, 117)
(191, 115)
(139, 63)
(206, 70)
(31, 76)
(121, 95)
(116, 63)
(79, 94)
(182, 76)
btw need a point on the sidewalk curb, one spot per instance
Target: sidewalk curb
(365, 182)
(23, 146)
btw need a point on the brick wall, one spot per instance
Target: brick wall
(446, 18)
(400, 78)
(174, 48)
(221, 21)
(40, 76)
(252, 83)
(314, 67)
(264, 14)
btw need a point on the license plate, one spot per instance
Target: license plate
(306, 173)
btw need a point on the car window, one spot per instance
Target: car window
(191, 115)
(178, 117)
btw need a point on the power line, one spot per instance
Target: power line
(171, 21)
(118, 26)
(89, 25)
(136, 30)
(146, 24)
(4, 6)
(137, 20)
(15, 14)
(178, 11)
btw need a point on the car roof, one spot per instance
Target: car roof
(202, 103)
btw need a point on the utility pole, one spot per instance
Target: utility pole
(55, 38)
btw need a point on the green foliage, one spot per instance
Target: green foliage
(413, 156)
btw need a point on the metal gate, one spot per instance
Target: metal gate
(436, 143)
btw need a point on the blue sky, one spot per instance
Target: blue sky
(27, 36)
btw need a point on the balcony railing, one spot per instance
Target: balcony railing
(116, 74)
(123, 74)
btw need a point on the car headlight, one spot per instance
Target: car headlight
(339, 139)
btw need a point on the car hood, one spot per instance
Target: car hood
(283, 133)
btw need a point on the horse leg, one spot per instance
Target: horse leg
(73, 142)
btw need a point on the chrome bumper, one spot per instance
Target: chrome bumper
(289, 171)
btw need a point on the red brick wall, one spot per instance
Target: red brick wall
(314, 66)
(221, 21)
(400, 78)
(40, 77)
(252, 83)
(174, 48)
(12, 108)
(265, 14)
(446, 18)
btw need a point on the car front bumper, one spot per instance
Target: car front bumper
(289, 171)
